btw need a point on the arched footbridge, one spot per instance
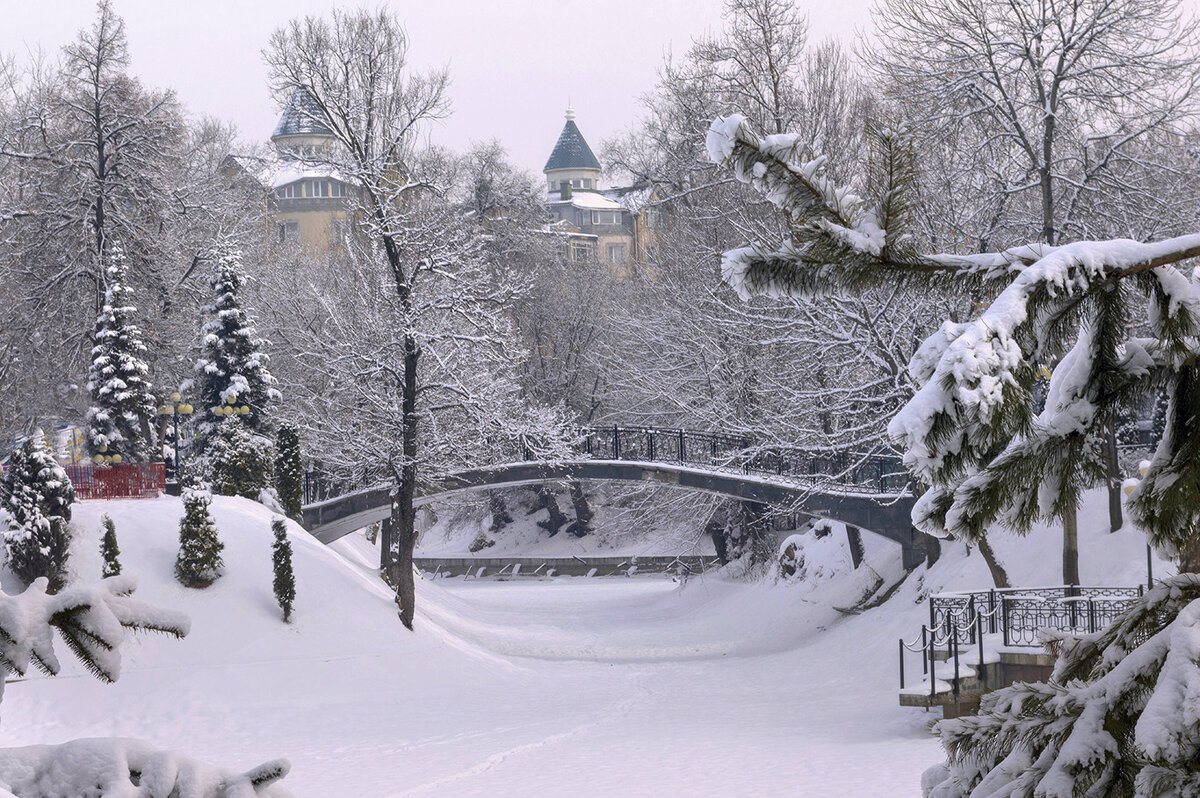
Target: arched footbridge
(868, 493)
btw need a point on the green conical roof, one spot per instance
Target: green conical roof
(301, 117)
(571, 151)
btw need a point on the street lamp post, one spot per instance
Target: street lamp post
(175, 409)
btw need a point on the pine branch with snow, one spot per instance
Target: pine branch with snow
(1120, 715)
(92, 620)
(973, 431)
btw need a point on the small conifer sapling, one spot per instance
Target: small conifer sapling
(199, 561)
(289, 470)
(285, 580)
(108, 548)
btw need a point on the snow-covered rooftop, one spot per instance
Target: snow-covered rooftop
(586, 199)
(274, 172)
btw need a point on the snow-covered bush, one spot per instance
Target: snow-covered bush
(284, 582)
(37, 496)
(289, 470)
(791, 557)
(109, 552)
(238, 461)
(199, 562)
(116, 768)
(119, 419)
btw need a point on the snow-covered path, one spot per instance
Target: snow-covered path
(697, 712)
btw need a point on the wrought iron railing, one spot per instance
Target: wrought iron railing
(1015, 615)
(869, 473)
(865, 473)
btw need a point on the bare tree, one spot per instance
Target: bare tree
(1071, 107)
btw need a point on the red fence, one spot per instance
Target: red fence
(121, 481)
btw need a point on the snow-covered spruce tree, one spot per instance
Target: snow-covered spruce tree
(237, 461)
(284, 582)
(232, 365)
(119, 419)
(199, 561)
(108, 548)
(1111, 721)
(37, 495)
(289, 470)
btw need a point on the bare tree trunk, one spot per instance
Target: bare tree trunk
(1189, 558)
(999, 575)
(583, 513)
(1070, 562)
(548, 502)
(717, 528)
(403, 512)
(1115, 517)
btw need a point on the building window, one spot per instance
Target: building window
(582, 251)
(617, 254)
(289, 232)
(290, 191)
(606, 217)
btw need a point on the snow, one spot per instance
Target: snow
(592, 687)
(590, 200)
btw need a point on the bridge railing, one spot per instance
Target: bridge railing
(1012, 618)
(872, 473)
(851, 471)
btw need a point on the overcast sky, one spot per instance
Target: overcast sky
(514, 64)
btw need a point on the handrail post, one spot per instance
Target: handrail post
(1091, 615)
(971, 614)
(924, 650)
(616, 442)
(932, 664)
(954, 642)
(979, 640)
(682, 456)
(1004, 618)
(902, 663)
(992, 611)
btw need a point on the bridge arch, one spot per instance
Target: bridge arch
(887, 515)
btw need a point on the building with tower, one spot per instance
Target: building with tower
(309, 201)
(610, 225)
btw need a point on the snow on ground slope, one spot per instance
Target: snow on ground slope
(564, 687)
(616, 530)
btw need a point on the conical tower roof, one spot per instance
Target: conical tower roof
(571, 151)
(301, 117)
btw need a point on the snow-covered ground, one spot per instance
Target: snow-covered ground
(616, 531)
(572, 686)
